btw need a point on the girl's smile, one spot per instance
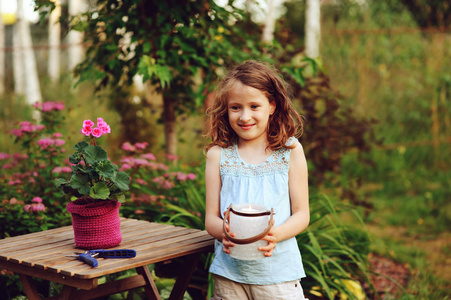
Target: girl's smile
(248, 111)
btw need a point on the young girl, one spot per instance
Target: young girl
(254, 157)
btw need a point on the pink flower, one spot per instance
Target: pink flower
(19, 156)
(141, 181)
(181, 176)
(148, 156)
(128, 147)
(13, 201)
(86, 130)
(125, 167)
(97, 132)
(171, 157)
(45, 143)
(4, 156)
(59, 142)
(66, 170)
(37, 199)
(142, 145)
(16, 132)
(88, 123)
(57, 135)
(38, 207)
(11, 182)
(27, 207)
(191, 176)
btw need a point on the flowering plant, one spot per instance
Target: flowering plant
(93, 176)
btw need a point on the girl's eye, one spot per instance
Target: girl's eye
(254, 106)
(234, 107)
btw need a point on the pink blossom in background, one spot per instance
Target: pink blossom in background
(66, 170)
(59, 142)
(45, 143)
(171, 156)
(4, 156)
(16, 132)
(148, 156)
(31, 180)
(20, 156)
(38, 207)
(27, 207)
(142, 145)
(141, 181)
(191, 176)
(13, 201)
(57, 170)
(125, 167)
(57, 135)
(11, 182)
(37, 199)
(181, 176)
(163, 167)
(128, 147)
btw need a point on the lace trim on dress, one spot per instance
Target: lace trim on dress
(232, 164)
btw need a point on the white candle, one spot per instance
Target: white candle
(246, 227)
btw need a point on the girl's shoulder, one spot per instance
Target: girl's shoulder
(214, 152)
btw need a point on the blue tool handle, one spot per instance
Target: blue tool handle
(117, 253)
(88, 259)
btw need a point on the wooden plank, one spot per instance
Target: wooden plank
(71, 269)
(157, 256)
(86, 284)
(111, 288)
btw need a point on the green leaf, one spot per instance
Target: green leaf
(59, 181)
(149, 68)
(99, 191)
(80, 182)
(105, 169)
(74, 158)
(80, 146)
(95, 154)
(121, 180)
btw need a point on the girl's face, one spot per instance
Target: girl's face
(249, 110)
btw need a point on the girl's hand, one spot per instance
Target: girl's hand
(272, 241)
(225, 241)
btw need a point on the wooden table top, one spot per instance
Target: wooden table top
(45, 251)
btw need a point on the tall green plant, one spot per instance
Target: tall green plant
(334, 254)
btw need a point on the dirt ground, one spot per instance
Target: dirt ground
(436, 248)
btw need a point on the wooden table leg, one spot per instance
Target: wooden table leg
(150, 288)
(29, 287)
(68, 293)
(187, 270)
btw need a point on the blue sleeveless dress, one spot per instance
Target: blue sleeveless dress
(265, 184)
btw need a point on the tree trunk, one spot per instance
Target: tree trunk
(270, 23)
(2, 54)
(53, 66)
(169, 118)
(75, 38)
(18, 69)
(312, 28)
(32, 88)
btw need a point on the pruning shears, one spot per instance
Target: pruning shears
(89, 257)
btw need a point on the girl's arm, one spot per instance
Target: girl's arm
(300, 212)
(213, 221)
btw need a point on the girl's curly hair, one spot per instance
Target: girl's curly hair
(283, 123)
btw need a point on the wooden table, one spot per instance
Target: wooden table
(42, 255)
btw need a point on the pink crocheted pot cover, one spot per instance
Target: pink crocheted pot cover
(96, 225)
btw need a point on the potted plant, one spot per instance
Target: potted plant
(94, 190)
